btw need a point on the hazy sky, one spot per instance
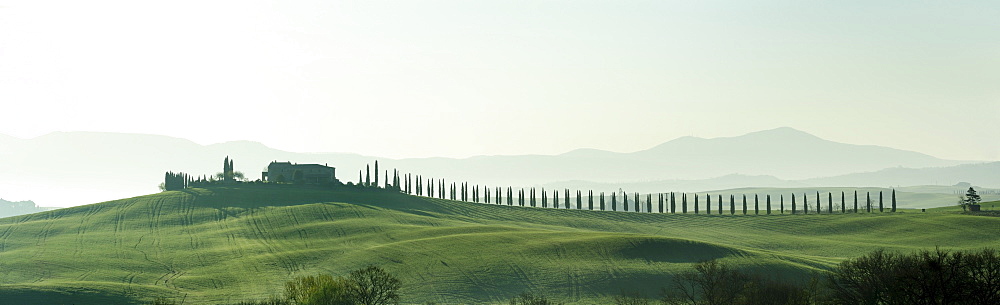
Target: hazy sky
(461, 78)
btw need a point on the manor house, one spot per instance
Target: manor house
(310, 173)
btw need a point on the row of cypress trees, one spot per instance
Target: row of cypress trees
(666, 202)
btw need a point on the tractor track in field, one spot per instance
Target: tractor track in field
(81, 228)
(261, 228)
(303, 234)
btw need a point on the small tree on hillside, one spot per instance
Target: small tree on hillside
(971, 197)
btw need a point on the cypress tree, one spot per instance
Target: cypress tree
(614, 201)
(673, 203)
(782, 204)
(625, 201)
(768, 204)
(829, 202)
(744, 204)
(855, 201)
(360, 180)
(649, 203)
(661, 202)
(376, 173)
(368, 177)
(555, 199)
(880, 206)
(843, 203)
(819, 204)
(708, 204)
(720, 204)
(868, 202)
(732, 205)
(893, 200)
(805, 204)
(566, 199)
(386, 179)
(696, 203)
(579, 200)
(684, 203)
(510, 196)
(793, 203)
(590, 200)
(637, 203)
(545, 199)
(602, 201)
(756, 205)
(533, 197)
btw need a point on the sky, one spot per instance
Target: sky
(462, 78)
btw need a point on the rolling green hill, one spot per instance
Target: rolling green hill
(221, 245)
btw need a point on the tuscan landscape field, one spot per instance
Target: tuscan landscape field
(229, 244)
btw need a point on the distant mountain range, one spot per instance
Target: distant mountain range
(979, 174)
(71, 168)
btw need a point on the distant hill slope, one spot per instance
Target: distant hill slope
(103, 166)
(229, 244)
(14, 208)
(980, 174)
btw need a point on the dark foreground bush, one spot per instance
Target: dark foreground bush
(878, 278)
(367, 286)
(925, 277)
(715, 283)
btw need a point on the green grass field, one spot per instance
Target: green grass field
(222, 245)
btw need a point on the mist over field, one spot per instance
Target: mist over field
(118, 165)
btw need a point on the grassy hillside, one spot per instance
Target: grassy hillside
(228, 244)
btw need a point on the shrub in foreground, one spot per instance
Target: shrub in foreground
(527, 298)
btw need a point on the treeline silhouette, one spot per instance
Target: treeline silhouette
(668, 202)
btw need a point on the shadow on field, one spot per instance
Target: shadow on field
(30, 295)
(674, 250)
